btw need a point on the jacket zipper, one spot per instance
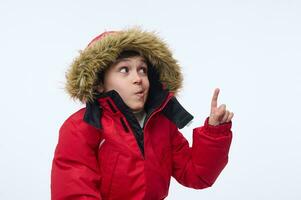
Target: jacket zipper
(153, 113)
(156, 111)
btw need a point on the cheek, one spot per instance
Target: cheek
(117, 87)
(111, 83)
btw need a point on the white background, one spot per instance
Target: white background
(251, 50)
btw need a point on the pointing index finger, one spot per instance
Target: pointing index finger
(214, 98)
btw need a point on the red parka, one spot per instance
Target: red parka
(104, 154)
(107, 163)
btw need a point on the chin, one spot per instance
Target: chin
(137, 109)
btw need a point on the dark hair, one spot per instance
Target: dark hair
(128, 54)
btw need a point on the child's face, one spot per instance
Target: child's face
(128, 76)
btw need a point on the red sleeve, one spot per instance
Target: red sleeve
(75, 173)
(200, 165)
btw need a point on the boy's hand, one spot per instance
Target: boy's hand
(219, 115)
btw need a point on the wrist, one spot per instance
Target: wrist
(213, 122)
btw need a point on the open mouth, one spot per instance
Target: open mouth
(140, 94)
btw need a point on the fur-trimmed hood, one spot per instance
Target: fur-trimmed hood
(82, 76)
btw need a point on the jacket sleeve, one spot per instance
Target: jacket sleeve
(199, 166)
(75, 172)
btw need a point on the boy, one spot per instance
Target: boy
(125, 144)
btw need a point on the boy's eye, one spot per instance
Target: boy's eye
(143, 70)
(124, 69)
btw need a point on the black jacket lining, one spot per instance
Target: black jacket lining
(124, 125)
(176, 113)
(173, 111)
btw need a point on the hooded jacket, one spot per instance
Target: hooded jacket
(103, 153)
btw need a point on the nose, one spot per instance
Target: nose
(137, 78)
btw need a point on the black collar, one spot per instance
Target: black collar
(173, 109)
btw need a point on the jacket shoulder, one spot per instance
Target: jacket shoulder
(76, 129)
(76, 120)
(76, 117)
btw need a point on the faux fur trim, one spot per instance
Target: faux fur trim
(82, 75)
